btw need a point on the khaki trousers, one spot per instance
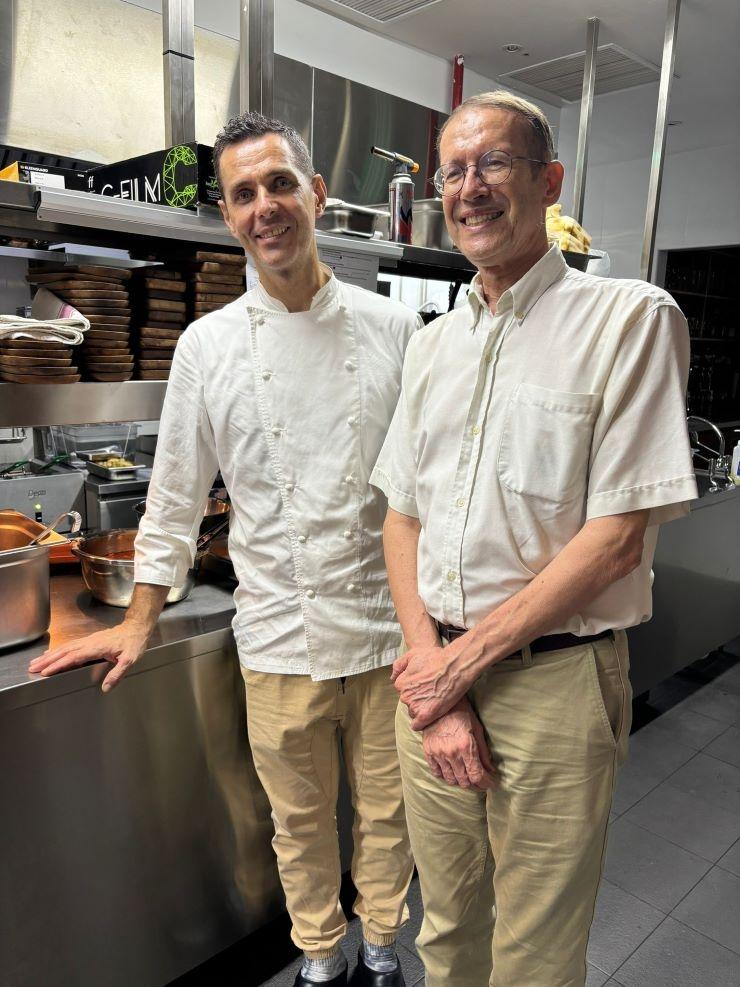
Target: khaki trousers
(295, 726)
(509, 878)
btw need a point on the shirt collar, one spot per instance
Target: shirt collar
(526, 292)
(259, 298)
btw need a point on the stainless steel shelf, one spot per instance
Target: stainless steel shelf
(38, 405)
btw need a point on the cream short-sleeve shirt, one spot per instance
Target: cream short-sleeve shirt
(515, 427)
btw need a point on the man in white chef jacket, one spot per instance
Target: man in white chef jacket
(289, 391)
(539, 441)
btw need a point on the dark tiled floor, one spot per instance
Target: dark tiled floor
(668, 913)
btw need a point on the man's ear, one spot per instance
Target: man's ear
(554, 174)
(227, 219)
(319, 190)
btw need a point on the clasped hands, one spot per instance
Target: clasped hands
(433, 688)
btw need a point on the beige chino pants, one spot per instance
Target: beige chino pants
(509, 878)
(295, 726)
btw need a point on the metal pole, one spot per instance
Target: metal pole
(257, 56)
(661, 128)
(178, 63)
(584, 124)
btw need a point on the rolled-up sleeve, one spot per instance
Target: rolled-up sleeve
(395, 470)
(640, 455)
(185, 465)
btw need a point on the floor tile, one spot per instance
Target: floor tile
(620, 924)
(633, 783)
(595, 977)
(726, 747)
(649, 867)
(651, 760)
(717, 703)
(731, 860)
(689, 728)
(676, 955)
(729, 681)
(713, 908)
(683, 819)
(706, 778)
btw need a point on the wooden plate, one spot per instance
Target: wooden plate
(113, 356)
(95, 332)
(35, 361)
(162, 274)
(39, 352)
(162, 316)
(149, 332)
(105, 296)
(110, 317)
(165, 284)
(204, 277)
(155, 364)
(25, 379)
(214, 257)
(77, 285)
(116, 376)
(164, 305)
(33, 344)
(154, 374)
(160, 354)
(152, 343)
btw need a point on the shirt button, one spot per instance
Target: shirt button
(475, 429)
(519, 315)
(451, 576)
(302, 539)
(290, 487)
(311, 593)
(352, 420)
(460, 502)
(266, 375)
(347, 533)
(349, 365)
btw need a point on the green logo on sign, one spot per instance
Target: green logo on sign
(172, 195)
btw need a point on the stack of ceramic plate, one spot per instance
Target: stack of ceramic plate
(101, 295)
(161, 318)
(215, 280)
(26, 361)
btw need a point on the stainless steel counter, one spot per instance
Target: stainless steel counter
(135, 834)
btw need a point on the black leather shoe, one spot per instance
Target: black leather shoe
(338, 981)
(365, 977)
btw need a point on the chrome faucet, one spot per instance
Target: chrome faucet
(718, 463)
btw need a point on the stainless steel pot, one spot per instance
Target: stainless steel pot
(429, 228)
(107, 562)
(25, 612)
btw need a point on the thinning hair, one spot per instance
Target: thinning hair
(250, 126)
(539, 134)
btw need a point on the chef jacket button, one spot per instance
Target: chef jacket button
(276, 430)
(260, 321)
(350, 478)
(302, 539)
(347, 533)
(266, 374)
(290, 487)
(351, 587)
(352, 420)
(349, 365)
(311, 593)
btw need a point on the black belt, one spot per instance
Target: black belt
(548, 642)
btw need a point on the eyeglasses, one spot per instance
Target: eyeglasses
(493, 168)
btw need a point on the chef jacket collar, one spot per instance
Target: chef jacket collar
(525, 293)
(261, 299)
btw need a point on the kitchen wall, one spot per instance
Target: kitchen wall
(700, 200)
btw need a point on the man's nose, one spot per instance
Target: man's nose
(472, 186)
(265, 202)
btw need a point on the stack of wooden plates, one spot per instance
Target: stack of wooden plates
(25, 361)
(215, 280)
(100, 294)
(161, 318)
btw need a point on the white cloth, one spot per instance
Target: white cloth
(514, 428)
(293, 408)
(69, 331)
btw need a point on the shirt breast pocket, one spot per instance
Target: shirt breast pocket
(546, 443)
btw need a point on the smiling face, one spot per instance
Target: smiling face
(502, 225)
(269, 205)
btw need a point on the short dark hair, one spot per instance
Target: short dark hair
(248, 126)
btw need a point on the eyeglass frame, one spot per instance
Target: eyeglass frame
(512, 158)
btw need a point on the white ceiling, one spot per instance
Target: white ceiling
(705, 96)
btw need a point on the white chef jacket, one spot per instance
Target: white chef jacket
(293, 408)
(514, 428)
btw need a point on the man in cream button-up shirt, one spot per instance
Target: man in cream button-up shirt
(539, 441)
(263, 390)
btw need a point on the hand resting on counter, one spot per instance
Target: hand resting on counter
(122, 646)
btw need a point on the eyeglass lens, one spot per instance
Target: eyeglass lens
(493, 168)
